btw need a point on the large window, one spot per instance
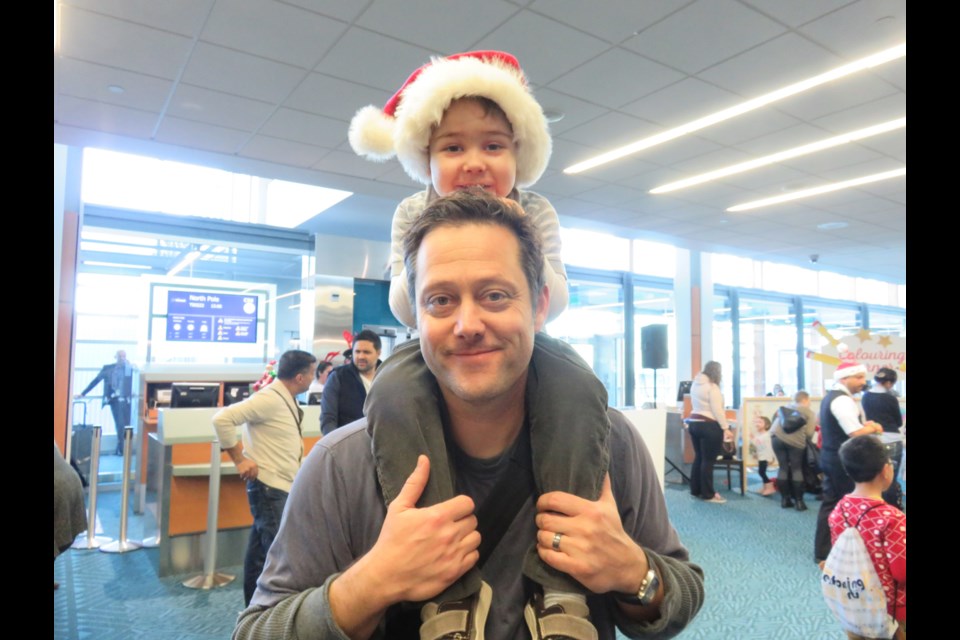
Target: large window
(593, 325)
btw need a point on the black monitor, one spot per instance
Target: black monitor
(194, 394)
(315, 397)
(235, 392)
(683, 389)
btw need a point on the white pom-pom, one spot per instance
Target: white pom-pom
(842, 348)
(371, 134)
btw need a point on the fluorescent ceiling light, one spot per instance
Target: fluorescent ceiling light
(187, 260)
(869, 62)
(813, 147)
(827, 188)
(119, 265)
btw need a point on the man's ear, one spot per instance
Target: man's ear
(543, 305)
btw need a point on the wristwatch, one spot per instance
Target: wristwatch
(646, 592)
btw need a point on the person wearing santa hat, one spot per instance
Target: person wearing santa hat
(841, 418)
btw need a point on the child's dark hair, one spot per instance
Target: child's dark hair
(863, 458)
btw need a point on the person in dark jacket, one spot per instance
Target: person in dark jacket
(347, 386)
(881, 405)
(117, 381)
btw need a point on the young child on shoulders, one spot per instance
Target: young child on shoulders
(470, 121)
(762, 448)
(884, 527)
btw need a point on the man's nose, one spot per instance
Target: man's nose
(470, 323)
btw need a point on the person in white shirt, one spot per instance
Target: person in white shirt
(269, 454)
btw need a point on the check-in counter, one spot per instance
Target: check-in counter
(179, 460)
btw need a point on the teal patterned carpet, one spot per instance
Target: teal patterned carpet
(761, 581)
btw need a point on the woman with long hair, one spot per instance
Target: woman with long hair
(708, 427)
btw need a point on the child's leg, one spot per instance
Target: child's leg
(763, 471)
(569, 431)
(403, 420)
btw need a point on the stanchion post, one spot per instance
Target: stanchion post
(90, 540)
(210, 578)
(122, 545)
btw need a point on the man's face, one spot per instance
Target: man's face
(365, 356)
(305, 377)
(121, 357)
(855, 384)
(472, 149)
(476, 319)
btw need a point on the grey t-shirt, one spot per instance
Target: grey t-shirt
(335, 512)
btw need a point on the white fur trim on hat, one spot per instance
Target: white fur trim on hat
(845, 370)
(425, 99)
(371, 134)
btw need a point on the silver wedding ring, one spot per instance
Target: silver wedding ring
(556, 541)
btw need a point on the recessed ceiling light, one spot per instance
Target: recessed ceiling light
(869, 62)
(115, 88)
(827, 226)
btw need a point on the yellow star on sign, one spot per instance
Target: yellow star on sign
(884, 341)
(864, 335)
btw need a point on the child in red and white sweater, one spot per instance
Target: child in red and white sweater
(882, 527)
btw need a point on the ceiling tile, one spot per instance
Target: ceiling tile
(333, 97)
(116, 43)
(272, 30)
(446, 31)
(184, 17)
(214, 107)
(241, 74)
(682, 102)
(773, 65)
(201, 135)
(669, 41)
(355, 56)
(282, 151)
(793, 13)
(91, 81)
(305, 127)
(346, 11)
(861, 28)
(555, 50)
(616, 78)
(575, 112)
(609, 131)
(107, 118)
(618, 20)
(353, 165)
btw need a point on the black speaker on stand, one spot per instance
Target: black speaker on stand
(653, 347)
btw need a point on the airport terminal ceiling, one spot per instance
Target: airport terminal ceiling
(268, 88)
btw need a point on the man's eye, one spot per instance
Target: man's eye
(439, 301)
(497, 296)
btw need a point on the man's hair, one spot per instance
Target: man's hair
(885, 374)
(293, 362)
(800, 396)
(712, 371)
(322, 366)
(369, 336)
(475, 206)
(863, 458)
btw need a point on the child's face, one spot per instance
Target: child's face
(759, 424)
(470, 149)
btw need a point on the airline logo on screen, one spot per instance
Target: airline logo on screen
(194, 316)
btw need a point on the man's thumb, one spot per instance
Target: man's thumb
(415, 484)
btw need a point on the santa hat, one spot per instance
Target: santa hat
(403, 126)
(847, 369)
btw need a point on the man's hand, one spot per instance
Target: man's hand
(423, 551)
(418, 554)
(247, 469)
(594, 548)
